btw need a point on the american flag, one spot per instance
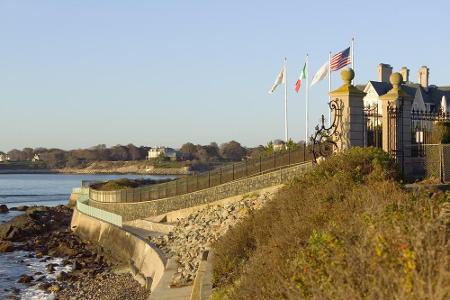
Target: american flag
(340, 60)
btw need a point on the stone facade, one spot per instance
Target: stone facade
(138, 210)
(351, 125)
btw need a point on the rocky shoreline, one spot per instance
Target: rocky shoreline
(84, 271)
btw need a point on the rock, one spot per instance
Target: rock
(36, 221)
(61, 276)
(51, 268)
(3, 209)
(76, 265)
(25, 279)
(63, 250)
(54, 288)
(20, 208)
(6, 246)
(44, 286)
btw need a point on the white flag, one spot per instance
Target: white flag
(321, 74)
(444, 107)
(281, 79)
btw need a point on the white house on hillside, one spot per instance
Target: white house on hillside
(162, 151)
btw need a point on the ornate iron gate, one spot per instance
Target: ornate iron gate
(327, 140)
(372, 131)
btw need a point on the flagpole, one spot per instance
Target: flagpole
(285, 102)
(353, 54)
(306, 96)
(329, 88)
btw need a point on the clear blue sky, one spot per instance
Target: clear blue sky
(80, 73)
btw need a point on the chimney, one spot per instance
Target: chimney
(424, 73)
(405, 74)
(384, 72)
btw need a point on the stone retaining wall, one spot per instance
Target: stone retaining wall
(133, 211)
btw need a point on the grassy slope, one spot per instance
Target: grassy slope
(347, 230)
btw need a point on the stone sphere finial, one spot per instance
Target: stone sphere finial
(347, 75)
(396, 79)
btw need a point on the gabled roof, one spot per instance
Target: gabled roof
(381, 87)
(432, 96)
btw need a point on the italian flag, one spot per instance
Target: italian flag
(300, 78)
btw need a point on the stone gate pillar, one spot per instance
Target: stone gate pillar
(351, 127)
(395, 107)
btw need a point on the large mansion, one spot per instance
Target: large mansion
(425, 97)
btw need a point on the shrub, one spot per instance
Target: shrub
(125, 183)
(345, 230)
(441, 133)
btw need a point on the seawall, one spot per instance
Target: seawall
(146, 261)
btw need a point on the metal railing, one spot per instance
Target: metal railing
(106, 216)
(221, 175)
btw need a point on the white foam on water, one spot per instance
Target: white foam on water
(33, 292)
(17, 263)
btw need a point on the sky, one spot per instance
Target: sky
(74, 74)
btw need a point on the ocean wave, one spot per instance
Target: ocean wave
(31, 195)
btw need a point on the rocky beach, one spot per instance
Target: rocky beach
(69, 268)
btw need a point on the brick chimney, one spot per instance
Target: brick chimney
(384, 72)
(405, 74)
(424, 73)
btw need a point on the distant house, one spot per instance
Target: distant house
(4, 157)
(278, 145)
(36, 158)
(166, 152)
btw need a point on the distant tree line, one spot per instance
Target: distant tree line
(58, 158)
(200, 157)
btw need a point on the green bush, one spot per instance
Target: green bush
(125, 183)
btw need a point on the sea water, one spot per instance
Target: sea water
(29, 190)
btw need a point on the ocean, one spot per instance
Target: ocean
(36, 189)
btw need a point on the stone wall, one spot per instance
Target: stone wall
(138, 210)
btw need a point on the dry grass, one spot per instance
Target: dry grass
(347, 230)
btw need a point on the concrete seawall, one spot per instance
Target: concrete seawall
(146, 261)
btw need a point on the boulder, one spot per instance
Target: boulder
(61, 276)
(6, 246)
(54, 288)
(25, 279)
(3, 209)
(20, 208)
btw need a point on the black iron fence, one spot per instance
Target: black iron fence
(189, 184)
(372, 127)
(422, 130)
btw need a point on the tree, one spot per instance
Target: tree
(133, 152)
(27, 153)
(269, 148)
(16, 155)
(232, 151)
(257, 151)
(290, 145)
(119, 153)
(188, 151)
